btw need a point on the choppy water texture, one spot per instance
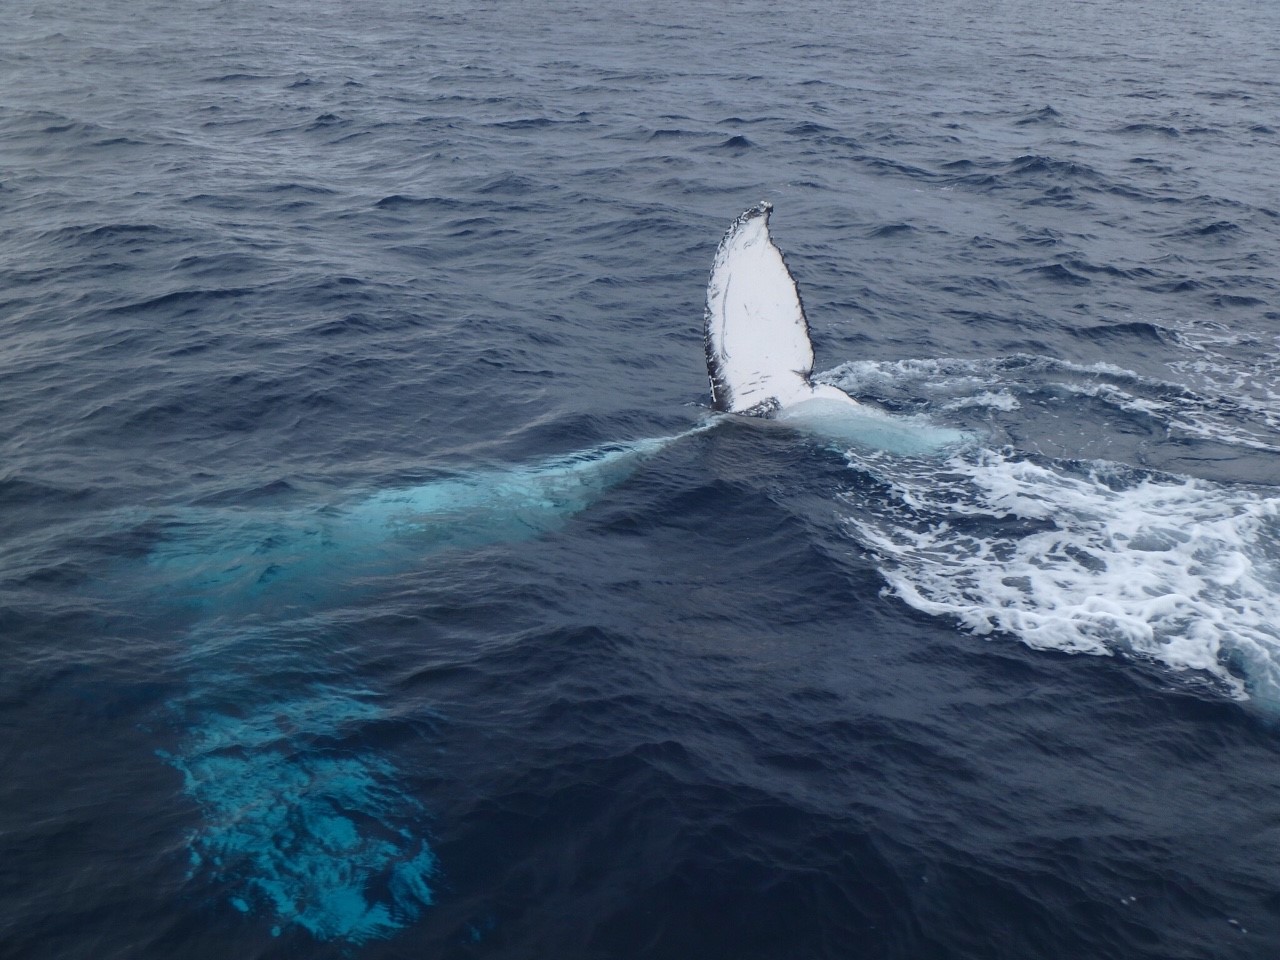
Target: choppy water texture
(366, 589)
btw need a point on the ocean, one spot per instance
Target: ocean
(377, 582)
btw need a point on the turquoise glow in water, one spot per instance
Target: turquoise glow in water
(301, 826)
(297, 823)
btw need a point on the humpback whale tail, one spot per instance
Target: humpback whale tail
(759, 356)
(298, 820)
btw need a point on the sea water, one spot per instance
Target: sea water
(355, 600)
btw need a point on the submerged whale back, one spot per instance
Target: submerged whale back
(759, 356)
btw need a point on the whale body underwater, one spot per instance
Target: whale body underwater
(760, 362)
(329, 842)
(332, 842)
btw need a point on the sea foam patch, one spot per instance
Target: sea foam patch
(1231, 400)
(1089, 558)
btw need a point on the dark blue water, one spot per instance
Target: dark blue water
(354, 603)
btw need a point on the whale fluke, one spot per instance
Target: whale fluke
(759, 356)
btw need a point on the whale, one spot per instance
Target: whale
(332, 842)
(302, 827)
(760, 361)
(760, 357)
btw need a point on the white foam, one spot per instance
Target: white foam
(1232, 394)
(993, 399)
(1098, 560)
(1240, 367)
(1089, 557)
(961, 376)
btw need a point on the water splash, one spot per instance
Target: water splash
(1087, 557)
(869, 428)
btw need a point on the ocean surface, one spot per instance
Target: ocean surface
(376, 582)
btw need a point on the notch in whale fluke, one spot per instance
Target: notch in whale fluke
(759, 355)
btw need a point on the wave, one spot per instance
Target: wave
(1231, 402)
(1091, 555)
(1089, 558)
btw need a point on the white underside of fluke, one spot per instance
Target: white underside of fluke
(759, 356)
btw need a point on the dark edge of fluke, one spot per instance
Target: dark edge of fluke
(721, 394)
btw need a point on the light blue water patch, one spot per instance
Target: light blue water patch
(258, 560)
(296, 821)
(301, 825)
(512, 503)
